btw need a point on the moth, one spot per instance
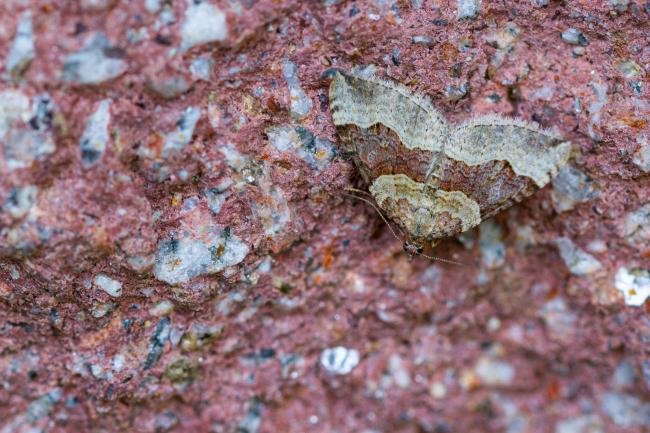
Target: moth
(432, 178)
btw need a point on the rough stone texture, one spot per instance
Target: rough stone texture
(207, 271)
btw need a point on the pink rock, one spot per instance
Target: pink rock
(194, 276)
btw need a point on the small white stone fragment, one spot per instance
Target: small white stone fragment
(20, 201)
(95, 5)
(274, 213)
(118, 362)
(140, 263)
(24, 145)
(558, 318)
(13, 106)
(637, 226)
(180, 137)
(493, 324)
(424, 40)
(315, 151)
(625, 410)
(597, 246)
(235, 159)
(152, 6)
(166, 17)
(22, 50)
(398, 371)
(468, 9)
(625, 374)
(641, 158)
(217, 195)
(179, 260)
(571, 187)
(91, 64)
(578, 261)
(301, 104)
(162, 308)
(544, 93)
(494, 372)
(629, 68)
(95, 136)
(109, 285)
(600, 91)
(42, 406)
(203, 23)
(339, 360)
(438, 390)
(201, 68)
(634, 284)
(574, 37)
(493, 250)
(619, 5)
(580, 424)
(169, 87)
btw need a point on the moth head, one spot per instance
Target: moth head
(413, 248)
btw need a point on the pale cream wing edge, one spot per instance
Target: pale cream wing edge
(538, 163)
(418, 124)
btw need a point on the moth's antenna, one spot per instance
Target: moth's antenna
(376, 208)
(440, 259)
(360, 191)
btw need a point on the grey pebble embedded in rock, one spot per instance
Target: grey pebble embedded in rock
(572, 187)
(203, 23)
(22, 50)
(625, 410)
(641, 158)
(636, 227)
(177, 139)
(201, 68)
(468, 9)
(108, 285)
(20, 201)
(179, 260)
(301, 104)
(493, 250)
(95, 136)
(578, 261)
(574, 37)
(95, 63)
(169, 87)
(23, 147)
(619, 5)
(315, 151)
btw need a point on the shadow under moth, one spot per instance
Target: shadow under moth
(432, 178)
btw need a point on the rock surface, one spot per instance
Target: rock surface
(178, 251)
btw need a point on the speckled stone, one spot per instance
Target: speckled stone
(186, 246)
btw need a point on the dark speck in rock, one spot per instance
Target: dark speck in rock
(163, 40)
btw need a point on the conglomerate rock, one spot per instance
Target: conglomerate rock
(178, 251)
